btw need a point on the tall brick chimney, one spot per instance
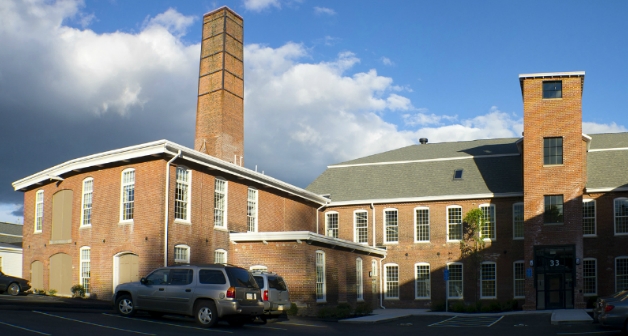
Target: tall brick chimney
(220, 107)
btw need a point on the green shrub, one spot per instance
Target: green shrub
(78, 291)
(324, 312)
(362, 309)
(511, 305)
(458, 307)
(473, 308)
(437, 306)
(343, 310)
(294, 310)
(52, 292)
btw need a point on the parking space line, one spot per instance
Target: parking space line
(301, 324)
(35, 331)
(170, 324)
(94, 324)
(265, 327)
(499, 319)
(468, 321)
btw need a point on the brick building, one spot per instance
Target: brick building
(381, 229)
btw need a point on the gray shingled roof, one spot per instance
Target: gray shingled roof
(491, 166)
(8, 231)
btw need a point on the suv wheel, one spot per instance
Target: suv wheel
(205, 314)
(124, 305)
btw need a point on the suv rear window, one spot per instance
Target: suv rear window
(211, 277)
(276, 283)
(260, 281)
(239, 277)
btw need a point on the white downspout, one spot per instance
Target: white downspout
(374, 230)
(167, 199)
(317, 210)
(381, 284)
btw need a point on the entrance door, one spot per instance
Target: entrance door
(129, 268)
(555, 271)
(554, 291)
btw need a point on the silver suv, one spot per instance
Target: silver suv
(206, 292)
(275, 294)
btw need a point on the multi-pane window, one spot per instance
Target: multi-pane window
(182, 194)
(360, 219)
(331, 224)
(39, 210)
(128, 194)
(588, 217)
(320, 277)
(519, 279)
(391, 226)
(85, 268)
(422, 281)
(455, 281)
(220, 203)
(589, 277)
(359, 284)
(552, 89)
(517, 221)
(182, 254)
(220, 256)
(553, 151)
(422, 224)
(553, 209)
(88, 193)
(621, 215)
(454, 223)
(251, 210)
(374, 267)
(489, 280)
(621, 273)
(488, 214)
(391, 281)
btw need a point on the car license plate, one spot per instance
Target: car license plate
(280, 307)
(250, 296)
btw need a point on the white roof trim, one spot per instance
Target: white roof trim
(608, 149)
(10, 235)
(608, 189)
(425, 199)
(168, 148)
(419, 161)
(303, 235)
(16, 250)
(552, 74)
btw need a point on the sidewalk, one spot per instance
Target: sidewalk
(561, 316)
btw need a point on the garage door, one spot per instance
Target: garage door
(61, 274)
(37, 275)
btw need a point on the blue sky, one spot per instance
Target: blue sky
(325, 81)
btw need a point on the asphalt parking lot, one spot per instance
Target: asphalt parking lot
(41, 315)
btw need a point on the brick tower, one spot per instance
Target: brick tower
(554, 176)
(220, 107)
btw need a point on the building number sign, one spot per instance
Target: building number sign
(554, 262)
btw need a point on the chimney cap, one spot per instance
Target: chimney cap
(221, 8)
(423, 141)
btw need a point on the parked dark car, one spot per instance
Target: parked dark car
(13, 285)
(206, 292)
(614, 312)
(601, 302)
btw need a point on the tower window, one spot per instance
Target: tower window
(552, 89)
(552, 151)
(553, 209)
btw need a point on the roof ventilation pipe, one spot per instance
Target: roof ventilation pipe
(423, 141)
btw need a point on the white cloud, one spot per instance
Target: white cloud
(592, 128)
(387, 61)
(11, 213)
(260, 5)
(324, 10)
(176, 23)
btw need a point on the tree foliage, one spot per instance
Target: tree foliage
(472, 242)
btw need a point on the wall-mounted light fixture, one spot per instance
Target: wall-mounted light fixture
(531, 263)
(577, 261)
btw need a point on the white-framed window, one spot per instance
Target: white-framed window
(422, 281)
(391, 281)
(621, 273)
(321, 286)
(621, 216)
(331, 224)
(220, 203)
(360, 223)
(488, 229)
(588, 218)
(489, 280)
(251, 210)
(182, 254)
(391, 226)
(359, 283)
(39, 210)
(374, 268)
(454, 223)
(422, 224)
(183, 194)
(85, 268)
(517, 221)
(88, 195)
(456, 280)
(589, 276)
(127, 199)
(220, 256)
(519, 274)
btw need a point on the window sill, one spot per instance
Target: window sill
(422, 298)
(517, 238)
(553, 224)
(220, 228)
(518, 297)
(125, 222)
(391, 243)
(38, 232)
(553, 165)
(183, 222)
(621, 234)
(321, 301)
(488, 297)
(85, 227)
(421, 241)
(176, 261)
(590, 236)
(391, 299)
